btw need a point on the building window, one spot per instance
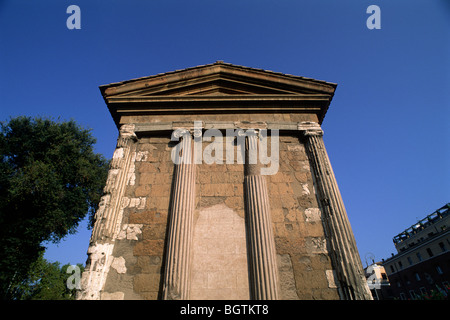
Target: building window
(409, 260)
(402, 296)
(400, 265)
(419, 256)
(423, 290)
(412, 294)
(429, 252)
(392, 269)
(429, 278)
(439, 270)
(417, 276)
(442, 246)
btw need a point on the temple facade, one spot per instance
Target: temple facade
(220, 187)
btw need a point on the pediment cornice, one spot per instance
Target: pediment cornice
(220, 87)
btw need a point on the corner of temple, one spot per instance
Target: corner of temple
(310, 128)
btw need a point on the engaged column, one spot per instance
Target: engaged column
(177, 268)
(261, 244)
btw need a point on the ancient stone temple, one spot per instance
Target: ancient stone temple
(221, 188)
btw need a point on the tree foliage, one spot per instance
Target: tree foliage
(46, 281)
(50, 179)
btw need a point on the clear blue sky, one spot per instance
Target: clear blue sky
(387, 129)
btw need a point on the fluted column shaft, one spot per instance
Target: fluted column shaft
(343, 251)
(177, 267)
(261, 245)
(108, 218)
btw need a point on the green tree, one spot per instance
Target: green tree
(46, 281)
(50, 179)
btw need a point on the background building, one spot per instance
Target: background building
(378, 282)
(422, 264)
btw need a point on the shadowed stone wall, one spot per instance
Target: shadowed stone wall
(219, 252)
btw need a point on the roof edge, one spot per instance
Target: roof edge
(219, 63)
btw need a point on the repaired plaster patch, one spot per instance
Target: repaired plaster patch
(131, 176)
(119, 265)
(130, 231)
(118, 153)
(141, 156)
(138, 203)
(305, 189)
(313, 214)
(104, 201)
(331, 278)
(94, 277)
(219, 255)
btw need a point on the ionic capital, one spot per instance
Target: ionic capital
(310, 128)
(251, 137)
(195, 132)
(126, 134)
(249, 132)
(127, 131)
(180, 132)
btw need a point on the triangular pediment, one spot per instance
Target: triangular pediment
(218, 79)
(217, 85)
(218, 88)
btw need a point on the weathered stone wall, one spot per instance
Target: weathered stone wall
(248, 235)
(220, 269)
(304, 265)
(140, 249)
(219, 253)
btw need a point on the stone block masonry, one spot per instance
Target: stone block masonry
(141, 240)
(299, 236)
(219, 257)
(219, 247)
(172, 230)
